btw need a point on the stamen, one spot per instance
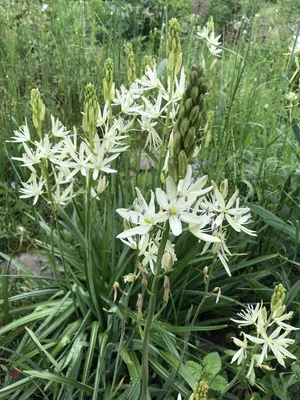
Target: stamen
(169, 201)
(143, 212)
(186, 198)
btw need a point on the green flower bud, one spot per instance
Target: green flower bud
(188, 105)
(177, 143)
(173, 44)
(130, 64)
(194, 113)
(189, 138)
(89, 120)
(184, 126)
(277, 298)
(108, 84)
(38, 109)
(182, 164)
(200, 392)
(224, 188)
(178, 64)
(194, 93)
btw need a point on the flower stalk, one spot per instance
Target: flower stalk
(151, 310)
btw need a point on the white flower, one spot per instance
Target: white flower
(79, 162)
(226, 212)
(179, 86)
(279, 321)
(62, 197)
(46, 150)
(22, 135)
(103, 116)
(204, 33)
(30, 158)
(249, 316)
(32, 188)
(97, 160)
(126, 100)
(241, 354)
(153, 111)
(150, 80)
(213, 43)
(153, 139)
(277, 344)
(58, 130)
(129, 278)
(177, 208)
(188, 185)
(143, 215)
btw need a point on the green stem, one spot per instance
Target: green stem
(90, 276)
(151, 309)
(166, 130)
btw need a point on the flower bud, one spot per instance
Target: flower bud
(166, 288)
(130, 64)
(224, 188)
(190, 138)
(200, 392)
(173, 44)
(182, 164)
(184, 126)
(167, 261)
(178, 64)
(102, 184)
(89, 120)
(115, 287)
(139, 306)
(108, 84)
(38, 108)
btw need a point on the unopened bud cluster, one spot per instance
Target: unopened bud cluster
(200, 392)
(187, 126)
(108, 80)
(277, 300)
(174, 47)
(130, 64)
(38, 108)
(90, 116)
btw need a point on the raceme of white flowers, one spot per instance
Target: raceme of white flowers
(205, 211)
(68, 155)
(207, 34)
(269, 337)
(63, 156)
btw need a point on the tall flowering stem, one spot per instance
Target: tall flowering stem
(174, 64)
(151, 309)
